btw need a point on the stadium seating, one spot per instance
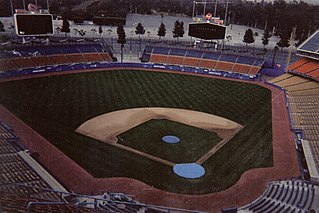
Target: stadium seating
(211, 55)
(158, 58)
(225, 66)
(281, 78)
(7, 64)
(176, 52)
(284, 196)
(306, 68)
(59, 59)
(221, 62)
(194, 53)
(22, 63)
(293, 80)
(303, 102)
(241, 68)
(76, 58)
(245, 60)
(315, 74)
(205, 63)
(93, 57)
(41, 61)
(228, 58)
(174, 60)
(191, 62)
(23, 57)
(161, 50)
(106, 56)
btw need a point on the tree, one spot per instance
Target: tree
(283, 42)
(178, 30)
(82, 32)
(2, 27)
(266, 37)
(161, 30)
(93, 31)
(65, 26)
(139, 30)
(121, 38)
(249, 37)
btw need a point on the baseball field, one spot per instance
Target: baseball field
(55, 106)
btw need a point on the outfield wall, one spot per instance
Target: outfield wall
(99, 65)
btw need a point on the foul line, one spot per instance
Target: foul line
(205, 157)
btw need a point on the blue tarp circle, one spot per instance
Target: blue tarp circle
(189, 170)
(170, 139)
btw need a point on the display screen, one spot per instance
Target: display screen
(207, 31)
(33, 24)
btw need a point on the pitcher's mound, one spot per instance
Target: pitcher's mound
(170, 139)
(189, 170)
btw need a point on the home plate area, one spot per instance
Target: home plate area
(181, 139)
(186, 170)
(189, 170)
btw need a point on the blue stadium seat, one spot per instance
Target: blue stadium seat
(87, 48)
(69, 49)
(211, 55)
(228, 58)
(161, 50)
(259, 62)
(194, 53)
(178, 52)
(245, 60)
(52, 50)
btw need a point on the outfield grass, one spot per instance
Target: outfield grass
(147, 137)
(55, 106)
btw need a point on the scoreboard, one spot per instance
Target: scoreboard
(33, 24)
(208, 31)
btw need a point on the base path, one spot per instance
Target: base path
(249, 187)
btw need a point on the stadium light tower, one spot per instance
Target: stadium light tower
(291, 44)
(204, 7)
(215, 10)
(11, 5)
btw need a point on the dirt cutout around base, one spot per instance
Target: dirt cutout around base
(106, 127)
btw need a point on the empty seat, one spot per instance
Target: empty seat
(192, 62)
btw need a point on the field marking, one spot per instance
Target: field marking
(218, 146)
(152, 157)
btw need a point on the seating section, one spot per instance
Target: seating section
(303, 104)
(18, 203)
(42, 61)
(305, 115)
(15, 170)
(52, 55)
(76, 58)
(306, 67)
(285, 196)
(197, 58)
(156, 58)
